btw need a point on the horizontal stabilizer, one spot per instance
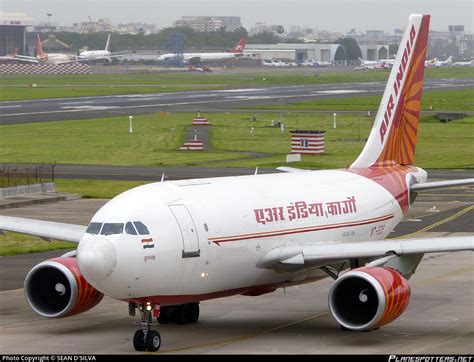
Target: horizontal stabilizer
(441, 184)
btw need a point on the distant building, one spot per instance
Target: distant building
(209, 23)
(299, 53)
(12, 31)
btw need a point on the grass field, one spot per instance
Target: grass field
(16, 87)
(13, 243)
(432, 100)
(156, 140)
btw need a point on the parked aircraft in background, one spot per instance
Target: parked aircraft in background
(375, 64)
(443, 63)
(43, 57)
(194, 58)
(105, 54)
(164, 247)
(464, 64)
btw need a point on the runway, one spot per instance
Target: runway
(41, 110)
(439, 318)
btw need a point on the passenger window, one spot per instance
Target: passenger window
(111, 229)
(94, 228)
(129, 229)
(141, 228)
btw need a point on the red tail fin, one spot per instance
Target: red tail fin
(393, 136)
(240, 46)
(39, 47)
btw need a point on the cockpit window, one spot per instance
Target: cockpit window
(94, 228)
(112, 228)
(141, 228)
(129, 229)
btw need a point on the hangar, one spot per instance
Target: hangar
(12, 31)
(332, 53)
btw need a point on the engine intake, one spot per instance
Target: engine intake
(368, 298)
(56, 288)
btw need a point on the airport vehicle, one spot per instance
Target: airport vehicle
(194, 58)
(45, 58)
(105, 54)
(164, 247)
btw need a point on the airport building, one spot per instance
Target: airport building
(299, 53)
(12, 31)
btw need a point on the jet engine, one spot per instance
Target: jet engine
(368, 298)
(55, 288)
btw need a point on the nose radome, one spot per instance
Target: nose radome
(96, 258)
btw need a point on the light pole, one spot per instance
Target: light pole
(49, 21)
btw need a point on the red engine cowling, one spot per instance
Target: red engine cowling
(368, 298)
(55, 288)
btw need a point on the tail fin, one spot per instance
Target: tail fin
(240, 46)
(108, 43)
(393, 136)
(39, 47)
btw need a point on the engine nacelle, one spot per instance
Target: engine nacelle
(368, 298)
(56, 288)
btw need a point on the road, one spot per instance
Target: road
(41, 110)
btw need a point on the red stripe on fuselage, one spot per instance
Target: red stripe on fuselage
(298, 231)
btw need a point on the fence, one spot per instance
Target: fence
(17, 175)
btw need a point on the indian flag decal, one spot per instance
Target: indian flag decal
(148, 243)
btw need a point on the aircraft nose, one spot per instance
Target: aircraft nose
(96, 258)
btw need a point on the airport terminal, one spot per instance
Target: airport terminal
(291, 190)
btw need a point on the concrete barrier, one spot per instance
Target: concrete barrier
(21, 190)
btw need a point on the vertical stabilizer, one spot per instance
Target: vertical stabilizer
(108, 43)
(393, 136)
(240, 46)
(39, 47)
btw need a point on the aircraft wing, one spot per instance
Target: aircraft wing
(23, 58)
(322, 253)
(44, 229)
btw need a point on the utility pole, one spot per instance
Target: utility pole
(49, 21)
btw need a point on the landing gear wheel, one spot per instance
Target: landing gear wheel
(153, 341)
(193, 312)
(139, 340)
(164, 317)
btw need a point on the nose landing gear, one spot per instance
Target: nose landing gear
(146, 338)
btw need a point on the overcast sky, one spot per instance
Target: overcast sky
(332, 15)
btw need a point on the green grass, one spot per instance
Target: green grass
(433, 100)
(96, 189)
(13, 243)
(156, 140)
(16, 87)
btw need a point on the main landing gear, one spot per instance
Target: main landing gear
(150, 340)
(146, 338)
(179, 314)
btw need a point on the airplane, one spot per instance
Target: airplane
(375, 64)
(105, 54)
(443, 63)
(164, 247)
(234, 53)
(45, 58)
(464, 64)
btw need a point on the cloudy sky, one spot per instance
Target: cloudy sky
(332, 15)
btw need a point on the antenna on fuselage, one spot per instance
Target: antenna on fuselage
(162, 177)
(256, 171)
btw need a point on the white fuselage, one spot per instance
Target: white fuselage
(230, 223)
(94, 54)
(53, 58)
